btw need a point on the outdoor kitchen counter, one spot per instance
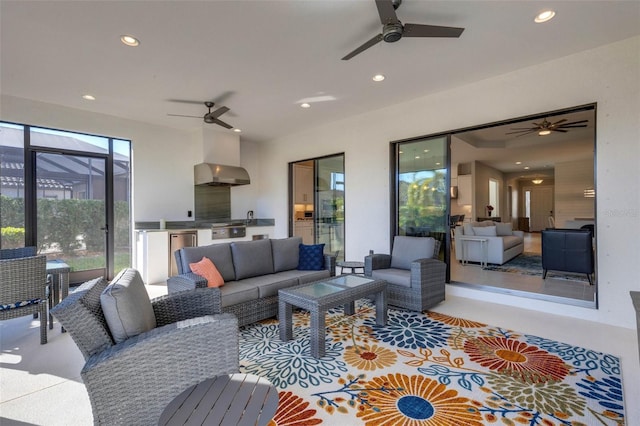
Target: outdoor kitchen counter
(152, 246)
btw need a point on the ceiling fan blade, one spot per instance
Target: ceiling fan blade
(377, 39)
(387, 12)
(574, 122)
(521, 131)
(186, 101)
(217, 113)
(559, 121)
(180, 115)
(559, 130)
(528, 133)
(222, 123)
(419, 30)
(578, 126)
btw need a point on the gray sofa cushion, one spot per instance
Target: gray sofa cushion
(238, 292)
(285, 253)
(511, 241)
(219, 254)
(407, 249)
(252, 258)
(126, 306)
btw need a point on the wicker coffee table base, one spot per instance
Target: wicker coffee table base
(318, 306)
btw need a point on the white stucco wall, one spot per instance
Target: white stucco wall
(608, 75)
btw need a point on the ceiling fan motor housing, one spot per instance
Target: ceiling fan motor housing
(392, 32)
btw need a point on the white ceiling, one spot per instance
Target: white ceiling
(263, 58)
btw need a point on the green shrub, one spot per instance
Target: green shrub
(12, 237)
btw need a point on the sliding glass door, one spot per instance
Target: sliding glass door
(317, 202)
(422, 189)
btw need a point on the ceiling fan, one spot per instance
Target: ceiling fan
(210, 117)
(547, 127)
(393, 30)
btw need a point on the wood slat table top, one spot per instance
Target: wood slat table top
(236, 399)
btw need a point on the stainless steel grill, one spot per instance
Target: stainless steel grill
(221, 231)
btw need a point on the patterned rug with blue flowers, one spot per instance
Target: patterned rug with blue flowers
(430, 369)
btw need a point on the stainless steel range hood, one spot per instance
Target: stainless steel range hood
(220, 175)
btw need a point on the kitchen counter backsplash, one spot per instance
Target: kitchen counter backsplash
(203, 224)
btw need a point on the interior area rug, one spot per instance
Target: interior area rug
(531, 264)
(430, 369)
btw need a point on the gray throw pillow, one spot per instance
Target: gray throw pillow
(126, 306)
(485, 231)
(285, 253)
(503, 229)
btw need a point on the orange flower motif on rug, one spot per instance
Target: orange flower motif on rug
(398, 399)
(293, 410)
(369, 357)
(453, 321)
(516, 359)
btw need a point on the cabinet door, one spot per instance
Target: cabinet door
(303, 184)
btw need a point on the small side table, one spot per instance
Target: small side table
(351, 265)
(59, 272)
(484, 247)
(235, 399)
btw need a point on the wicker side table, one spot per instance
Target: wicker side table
(351, 266)
(319, 296)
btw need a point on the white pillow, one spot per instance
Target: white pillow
(485, 231)
(126, 306)
(503, 229)
(468, 229)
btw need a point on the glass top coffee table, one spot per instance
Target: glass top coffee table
(317, 297)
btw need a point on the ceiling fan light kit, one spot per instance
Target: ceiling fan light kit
(546, 128)
(393, 29)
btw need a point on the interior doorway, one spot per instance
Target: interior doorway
(317, 208)
(539, 207)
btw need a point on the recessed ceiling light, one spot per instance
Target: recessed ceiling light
(526, 168)
(544, 16)
(237, 130)
(417, 157)
(518, 162)
(130, 40)
(426, 150)
(305, 105)
(89, 97)
(378, 77)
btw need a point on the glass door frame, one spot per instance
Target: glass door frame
(394, 185)
(31, 219)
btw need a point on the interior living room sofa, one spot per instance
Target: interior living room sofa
(415, 277)
(253, 272)
(141, 353)
(503, 243)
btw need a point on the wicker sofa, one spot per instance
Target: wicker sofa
(253, 272)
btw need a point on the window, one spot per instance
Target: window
(494, 197)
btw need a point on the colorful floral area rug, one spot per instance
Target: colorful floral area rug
(430, 369)
(531, 264)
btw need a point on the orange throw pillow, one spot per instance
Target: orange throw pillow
(205, 268)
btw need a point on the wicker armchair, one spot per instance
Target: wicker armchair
(130, 383)
(23, 289)
(415, 277)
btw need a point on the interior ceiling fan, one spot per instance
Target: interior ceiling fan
(210, 117)
(393, 30)
(547, 127)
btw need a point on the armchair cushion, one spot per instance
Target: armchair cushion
(407, 249)
(311, 257)
(126, 306)
(206, 268)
